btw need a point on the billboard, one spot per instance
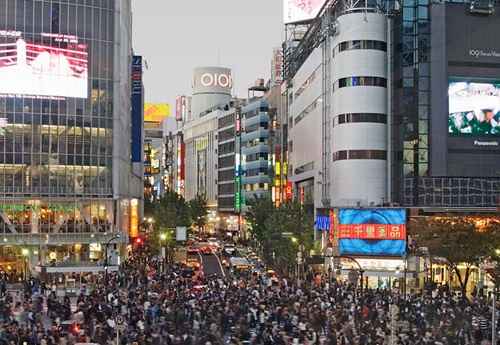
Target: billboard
(212, 80)
(137, 109)
(156, 112)
(474, 108)
(52, 65)
(377, 232)
(301, 10)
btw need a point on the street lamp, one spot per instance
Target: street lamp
(106, 256)
(295, 240)
(25, 252)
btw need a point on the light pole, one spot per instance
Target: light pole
(25, 253)
(106, 256)
(163, 239)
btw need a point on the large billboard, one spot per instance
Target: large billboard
(474, 108)
(212, 80)
(137, 109)
(301, 10)
(53, 65)
(372, 232)
(156, 112)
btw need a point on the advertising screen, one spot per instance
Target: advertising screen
(301, 10)
(377, 232)
(474, 108)
(53, 65)
(156, 112)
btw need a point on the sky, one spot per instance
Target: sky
(175, 36)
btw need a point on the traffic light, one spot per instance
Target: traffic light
(138, 241)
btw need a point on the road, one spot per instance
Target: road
(212, 265)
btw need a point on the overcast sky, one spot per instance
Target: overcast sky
(175, 36)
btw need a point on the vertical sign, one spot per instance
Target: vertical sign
(137, 109)
(178, 108)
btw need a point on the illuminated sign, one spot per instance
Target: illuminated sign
(474, 108)
(30, 68)
(289, 190)
(301, 10)
(134, 218)
(156, 112)
(215, 79)
(378, 232)
(36, 208)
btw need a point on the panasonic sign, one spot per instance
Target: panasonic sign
(485, 143)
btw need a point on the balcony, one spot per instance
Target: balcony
(262, 117)
(260, 163)
(245, 150)
(260, 133)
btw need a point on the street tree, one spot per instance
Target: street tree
(457, 240)
(198, 211)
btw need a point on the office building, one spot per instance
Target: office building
(364, 128)
(67, 186)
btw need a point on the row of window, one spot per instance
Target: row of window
(227, 120)
(360, 44)
(307, 110)
(360, 154)
(360, 117)
(255, 112)
(360, 81)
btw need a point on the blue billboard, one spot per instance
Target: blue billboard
(137, 100)
(372, 232)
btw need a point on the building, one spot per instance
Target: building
(255, 148)
(394, 106)
(364, 128)
(212, 88)
(227, 151)
(67, 187)
(158, 127)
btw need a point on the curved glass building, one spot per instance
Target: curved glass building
(65, 85)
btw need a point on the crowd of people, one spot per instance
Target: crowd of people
(141, 305)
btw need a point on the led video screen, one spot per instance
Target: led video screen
(372, 232)
(301, 10)
(55, 65)
(474, 108)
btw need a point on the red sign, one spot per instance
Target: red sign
(289, 191)
(372, 231)
(333, 226)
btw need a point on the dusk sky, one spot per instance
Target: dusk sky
(176, 36)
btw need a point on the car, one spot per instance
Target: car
(206, 250)
(229, 249)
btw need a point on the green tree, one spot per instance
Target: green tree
(280, 232)
(457, 240)
(198, 211)
(171, 211)
(260, 210)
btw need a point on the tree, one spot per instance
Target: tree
(260, 209)
(280, 232)
(171, 211)
(457, 240)
(198, 211)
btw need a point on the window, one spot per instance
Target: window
(361, 81)
(360, 117)
(360, 154)
(358, 44)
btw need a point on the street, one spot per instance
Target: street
(212, 265)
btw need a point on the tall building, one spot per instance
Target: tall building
(367, 93)
(66, 182)
(212, 88)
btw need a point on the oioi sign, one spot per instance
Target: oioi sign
(217, 80)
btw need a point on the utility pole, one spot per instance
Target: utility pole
(494, 317)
